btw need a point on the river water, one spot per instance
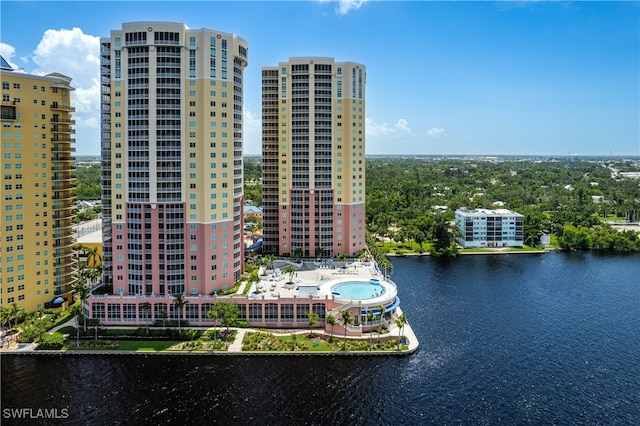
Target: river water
(504, 339)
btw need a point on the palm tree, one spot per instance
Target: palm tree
(298, 252)
(179, 301)
(76, 310)
(84, 272)
(342, 257)
(214, 314)
(14, 310)
(81, 289)
(400, 322)
(290, 269)
(146, 307)
(346, 320)
(5, 316)
(331, 320)
(379, 331)
(93, 256)
(81, 248)
(381, 309)
(261, 261)
(370, 317)
(270, 258)
(95, 273)
(163, 316)
(313, 318)
(319, 252)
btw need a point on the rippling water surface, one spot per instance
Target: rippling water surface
(504, 339)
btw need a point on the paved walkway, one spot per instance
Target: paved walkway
(241, 287)
(408, 333)
(236, 346)
(71, 323)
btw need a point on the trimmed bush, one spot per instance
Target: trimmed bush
(54, 341)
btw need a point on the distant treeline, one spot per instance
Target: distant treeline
(407, 197)
(572, 200)
(88, 182)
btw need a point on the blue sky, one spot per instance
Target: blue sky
(477, 78)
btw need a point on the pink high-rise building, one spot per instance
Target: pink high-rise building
(313, 157)
(172, 158)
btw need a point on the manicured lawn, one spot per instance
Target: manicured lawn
(526, 248)
(499, 249)
(66, 316)
(213, 340)
(146, 346)
(307, 342)
(123, 345)
(67, 330)
(406, 248)
(320, 347)
(474, 250)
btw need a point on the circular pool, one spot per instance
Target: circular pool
(357, 290)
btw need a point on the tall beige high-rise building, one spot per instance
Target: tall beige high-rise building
(313, 157)
(37, 263)
(172, 176)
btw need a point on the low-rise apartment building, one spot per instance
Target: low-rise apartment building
(490, 228)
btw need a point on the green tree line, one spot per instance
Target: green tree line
(404, 194)
(414, 199)
(88, 182)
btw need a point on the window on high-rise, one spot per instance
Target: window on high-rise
(192, 63)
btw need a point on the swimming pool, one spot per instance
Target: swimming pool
(357, 290)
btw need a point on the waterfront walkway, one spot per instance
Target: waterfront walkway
(236, 346)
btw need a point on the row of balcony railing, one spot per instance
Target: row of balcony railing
(57, 106)
(58, 120)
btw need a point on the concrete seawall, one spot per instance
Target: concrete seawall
(235, 349)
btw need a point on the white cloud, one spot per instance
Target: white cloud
(345, 6)
(402, 125)
(397, 131)
(7, 51)
(436, 133)
(76, 55)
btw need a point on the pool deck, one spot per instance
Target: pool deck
(321, 275)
